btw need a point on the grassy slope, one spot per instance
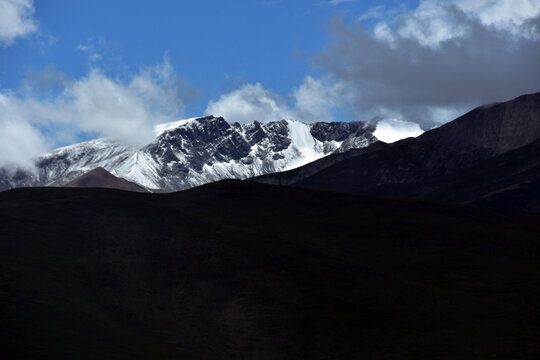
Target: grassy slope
(243, 270)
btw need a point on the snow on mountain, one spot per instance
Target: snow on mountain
(161, 128)
(195, 151)
(306, 144)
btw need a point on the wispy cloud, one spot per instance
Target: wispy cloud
(95, 48)
(375, 12)
(337, 2)
(381, 12)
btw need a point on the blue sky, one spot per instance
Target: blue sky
(214, 45)
(72, 70)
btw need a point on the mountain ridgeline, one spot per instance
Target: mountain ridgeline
(489, 156)
(197, 151)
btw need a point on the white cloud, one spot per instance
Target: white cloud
(19, 140)
(128, 112)
(16, 20)
(248, 103)
(392, 130)
(123, 110)
(315, 99)
(312, 102)
(95, 104)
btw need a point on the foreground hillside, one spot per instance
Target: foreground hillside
(237, 270)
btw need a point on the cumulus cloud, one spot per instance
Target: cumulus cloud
(16, 20)
(19, 140)
(438, 59)
(248, 103)
(315, 99)
(111, 108)
(310, 102)
(95, 104)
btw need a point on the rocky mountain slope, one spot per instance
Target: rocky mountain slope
(197, 151)
(489, 155)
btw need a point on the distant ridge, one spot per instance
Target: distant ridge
(490, 156)
(101, 178)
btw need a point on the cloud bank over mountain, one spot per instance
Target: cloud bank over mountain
(425, 65)
(431, 63)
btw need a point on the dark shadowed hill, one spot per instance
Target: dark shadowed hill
(489, 155)
(240, 270)
(101, 178)
(291, 177)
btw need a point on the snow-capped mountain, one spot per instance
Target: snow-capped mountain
(196, 151)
